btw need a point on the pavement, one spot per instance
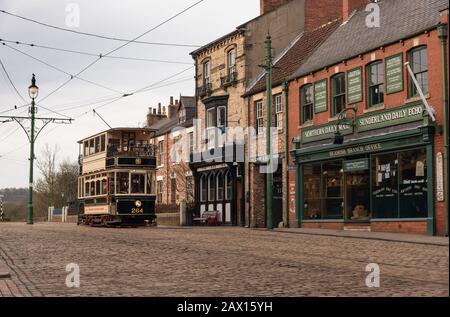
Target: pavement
(216, 262)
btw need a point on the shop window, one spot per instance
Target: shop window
(375, 84)
(137, 183)
(229, 186)
(418, 60)
(413, 184)
(385, 186)
(211, 187)
(357, 198)
(220, 186)
(312, 200)
(306, 103)
(203, 188)
(338, 93)
(189, 189)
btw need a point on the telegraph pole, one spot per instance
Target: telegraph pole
(269, 175)
(32, 135)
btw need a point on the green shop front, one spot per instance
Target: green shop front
(379, 179)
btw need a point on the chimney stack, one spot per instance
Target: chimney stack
(350, 5)
(159, 108)
(270, 5)
(171, 100)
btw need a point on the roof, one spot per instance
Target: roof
(166, 125)
(288, 61)
(399, 19)
(211, 44)
(151, 129)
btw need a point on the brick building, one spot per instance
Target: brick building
(173, 138)
(225, 68)
(369, 155)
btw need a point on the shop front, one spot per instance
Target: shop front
(380, 179)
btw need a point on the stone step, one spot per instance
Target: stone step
(358, 228)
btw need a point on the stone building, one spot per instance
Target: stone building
(369, 155)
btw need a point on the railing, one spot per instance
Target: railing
(228, 80)
(205, 90)
(133, 151)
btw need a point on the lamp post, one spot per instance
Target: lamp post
(33, 91)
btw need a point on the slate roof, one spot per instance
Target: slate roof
(399, 19)
(166, 125)
(288, 61)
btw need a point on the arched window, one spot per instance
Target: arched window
(104, 187)
(98, 191)
(338, 93)
(211, 187)
(306, 97)
(220, 186)
(87, 189)
(203, 188)
(231, 61)
(92, 189)
(229, 185)
(375, 83)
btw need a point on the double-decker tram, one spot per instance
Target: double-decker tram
(117, 182)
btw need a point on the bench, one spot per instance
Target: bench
(209, 218)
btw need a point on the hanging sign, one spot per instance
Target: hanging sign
(440, 177)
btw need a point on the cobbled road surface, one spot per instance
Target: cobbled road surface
(214, 262)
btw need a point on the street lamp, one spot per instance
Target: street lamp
(33, 91)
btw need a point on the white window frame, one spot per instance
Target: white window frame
(206, 72)
(278, 103)
(259, 117)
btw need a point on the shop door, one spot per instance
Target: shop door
(357, 190)
(278, 196)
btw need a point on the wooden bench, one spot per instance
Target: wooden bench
(209, 218)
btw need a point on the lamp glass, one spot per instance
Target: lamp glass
(33, 91)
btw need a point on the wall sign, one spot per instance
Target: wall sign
(394, 73)
(440, 177)
(324, 132)
(354, 86)
(356, 165)
(391, 117)
(321, 96)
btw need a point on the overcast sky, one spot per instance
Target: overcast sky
(114, 18)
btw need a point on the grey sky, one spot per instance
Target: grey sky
(116, 18)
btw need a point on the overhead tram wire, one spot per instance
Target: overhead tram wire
(97, 35)
(122, 46)
(95, 55)
(11, 82)
(61, 70)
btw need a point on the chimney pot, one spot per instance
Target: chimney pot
(171, 100)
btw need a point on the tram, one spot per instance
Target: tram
(117, 178)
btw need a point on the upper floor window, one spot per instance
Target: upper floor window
(418, 60)
(338, 93)
(306, 103)
(259, 117)
(159, 191)
(211, 118)
(161, 153)
(206, 73)
(375, 84)
(278, 103)
(231, 60)
(182, 115)
(221, 117)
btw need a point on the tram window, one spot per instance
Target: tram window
(151, 183)
(86, 189)
(86, 148)
(112, 184)
(91, 147)
(104, 188)
(102, 143)
(123, 182)
(97, 144)
(92, 189)
(137, 183)
(97, 188)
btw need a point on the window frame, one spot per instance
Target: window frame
(369, 84)
(303, 103)
(411, 86)
(278, 105)
(335, 95)
(259, 117)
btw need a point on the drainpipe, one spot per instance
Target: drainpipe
(443, 34)
(286, 149)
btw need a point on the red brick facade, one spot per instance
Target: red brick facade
(434, 98)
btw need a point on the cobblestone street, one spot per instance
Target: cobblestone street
(214, 262)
